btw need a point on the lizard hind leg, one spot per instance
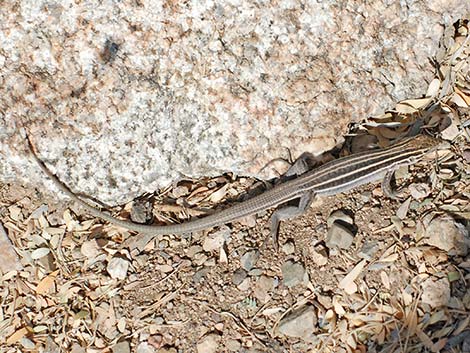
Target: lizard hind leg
(387, 188)
(287, 213)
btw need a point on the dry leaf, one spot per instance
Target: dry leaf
(351, 341)
(412, 321)
(424, 339)
(381, 337)
(439, 345)
(459, 101)
(383, 118)
(218, 195)
(347, 282)
(223, 259)
(40, 252)
(462, 326)
(9, 275)
(90, 248)
(391, 258)
(19, 334)
(407, 297)
(195, 194)
(389, 134)
(403, 209)
(47, 283)
(411, 106)
(437, 316)
(272, 311)
(465, 97)
(433, 88)
(12, 226)
(121, 324)
(405, 109)
(69, 219)
(40, 328)
(339, 310)
(385, 279)
(15, 213)
(43, 222)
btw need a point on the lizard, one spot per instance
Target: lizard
(336, 176)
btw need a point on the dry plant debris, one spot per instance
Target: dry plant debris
(390, 277)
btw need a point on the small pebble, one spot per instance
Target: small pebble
(319, 255)
(366, 196)
(200, 258)
(245, 285)
(208, 344)
(193, 250)
(402, 173)
(163, 244)
(419, 190)
(446, 234)
(288, 248)
(292, 273)
(248, 221)
(233, 345)
(121, 347)
(210, 262)
(144, 347)
(201, 274)
(263, 286)
(117, 268)
(238, 276)
(451, 132)
(249, 259)
(466, 155)
(368, 250)
(436, 293)
(215, 240)
(141, 211)
(339, 236)
(300, 323)
(27, 343)
(159, 320)
(256, 272)
(339, 215)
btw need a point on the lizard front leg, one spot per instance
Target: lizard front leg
(287, 213)
(300, 166)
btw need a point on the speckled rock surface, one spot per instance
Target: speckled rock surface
(124, 97)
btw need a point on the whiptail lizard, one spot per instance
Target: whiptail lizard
(334, 177)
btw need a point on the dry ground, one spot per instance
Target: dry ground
(181, 292)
